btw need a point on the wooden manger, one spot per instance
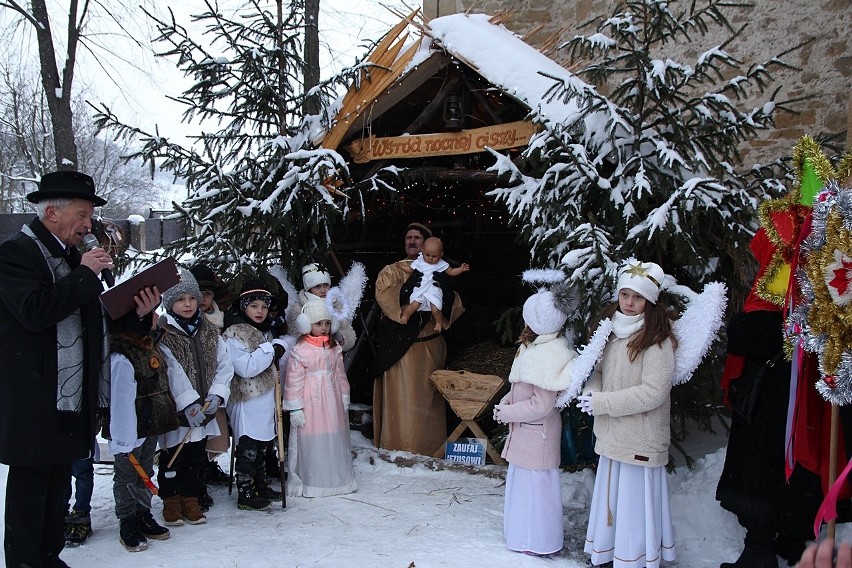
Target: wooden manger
(469, 395)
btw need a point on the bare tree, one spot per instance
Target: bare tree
(57, 84)
(311, 73)
(26, 151)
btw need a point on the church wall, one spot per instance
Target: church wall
(825, 66)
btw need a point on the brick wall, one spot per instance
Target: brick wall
(825, 71)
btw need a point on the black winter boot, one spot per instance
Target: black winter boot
(212, 474)
(265, 490)
(757, 553)
(150, 528)
(78, 527)
(248, 498)
(130, 534)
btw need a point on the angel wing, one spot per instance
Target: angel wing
(697, 327)
(583, 364)
(343, 299)
(281, 275)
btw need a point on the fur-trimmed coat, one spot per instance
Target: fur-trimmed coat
(216, 317)
(539, 371)
(243, 337)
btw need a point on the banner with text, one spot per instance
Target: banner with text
(497, 137)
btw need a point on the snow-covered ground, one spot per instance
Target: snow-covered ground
(409, 511)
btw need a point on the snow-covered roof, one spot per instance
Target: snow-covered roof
(494, 52)
(504, 59)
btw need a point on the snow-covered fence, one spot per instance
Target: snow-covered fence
(144, 233)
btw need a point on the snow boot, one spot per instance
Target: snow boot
(264, 490)
(78, 527)
(247, 497)
(172, 513)
(130, 534)
(212, 474)
(205, 501)
(192, 511)
(267, 492)
(757, 553)
(150, 528)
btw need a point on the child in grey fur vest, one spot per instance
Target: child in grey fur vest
(251, 408)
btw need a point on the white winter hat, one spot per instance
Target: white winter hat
(643, 277)
(314, 274)
(312, 312)
(541, 314)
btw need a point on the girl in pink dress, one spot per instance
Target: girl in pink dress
(316, 392)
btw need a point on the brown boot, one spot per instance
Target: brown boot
(172, 514)
(192, 513)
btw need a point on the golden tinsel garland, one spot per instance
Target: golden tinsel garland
(825, 316)
(808, 148)
(805, 149)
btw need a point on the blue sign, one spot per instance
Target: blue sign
(466, 450)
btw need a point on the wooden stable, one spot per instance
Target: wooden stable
(469, 395)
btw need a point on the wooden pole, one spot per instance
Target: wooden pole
(185, 438)
(832, 461)
(279, 419)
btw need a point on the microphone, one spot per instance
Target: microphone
(91, 242)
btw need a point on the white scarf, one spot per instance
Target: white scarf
(624, 326)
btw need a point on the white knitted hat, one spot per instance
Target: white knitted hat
(187, 285)
(541, 314)
(643, 277)
(312, 312)
(314, 274)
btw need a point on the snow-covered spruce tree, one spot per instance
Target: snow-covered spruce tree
(649, 164)
(260, 192)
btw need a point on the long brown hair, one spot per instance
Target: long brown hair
(656, 329)
(527, 336)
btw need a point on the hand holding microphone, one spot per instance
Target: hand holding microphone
(97, 259)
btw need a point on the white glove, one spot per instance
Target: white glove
(212, 401)
(346, 403)
(297, 418)
(496, 413)
(194, 415)
(584, 403)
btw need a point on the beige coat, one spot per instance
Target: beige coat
(632, 403)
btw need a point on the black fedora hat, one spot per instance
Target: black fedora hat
(74, 185)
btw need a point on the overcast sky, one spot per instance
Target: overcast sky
(135, 84)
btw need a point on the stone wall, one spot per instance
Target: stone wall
(825, 72)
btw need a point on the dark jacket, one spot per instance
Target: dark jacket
(32, 431)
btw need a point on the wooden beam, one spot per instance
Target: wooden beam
(396, 92)
(450, 174)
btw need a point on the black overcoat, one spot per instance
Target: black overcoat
(32, 431)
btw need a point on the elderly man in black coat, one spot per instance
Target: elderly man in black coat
(55, 377)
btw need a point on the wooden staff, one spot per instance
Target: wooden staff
(279, 419)
(185, 438)
(832, 461)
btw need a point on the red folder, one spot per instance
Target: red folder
(118, 300)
